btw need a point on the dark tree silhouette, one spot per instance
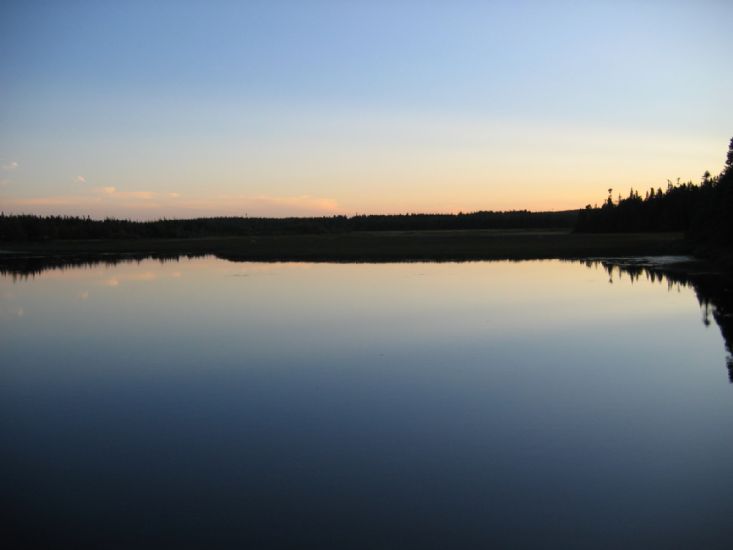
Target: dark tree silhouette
(29, 227)
(703, 211)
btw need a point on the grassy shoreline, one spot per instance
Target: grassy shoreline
(372, 246)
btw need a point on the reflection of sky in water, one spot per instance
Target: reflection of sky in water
(510, 402)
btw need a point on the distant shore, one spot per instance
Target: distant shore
(448, 245)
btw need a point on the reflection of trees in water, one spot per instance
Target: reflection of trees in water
(714, 290)
(24, 268)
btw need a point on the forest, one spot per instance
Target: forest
(30, 227)
(704, 211)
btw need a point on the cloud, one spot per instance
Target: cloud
(146, 195)
(81, 179)
(55, 201)
(11, 166)
(263, 205)
(113, 191)
(110, 201)
(301, 201)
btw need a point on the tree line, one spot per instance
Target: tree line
(31, 227)
(704, 211)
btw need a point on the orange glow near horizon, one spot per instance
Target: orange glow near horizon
(369, 167)
(266, 110)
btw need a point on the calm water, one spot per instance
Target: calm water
(214, 404)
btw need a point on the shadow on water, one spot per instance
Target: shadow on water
(713, 288)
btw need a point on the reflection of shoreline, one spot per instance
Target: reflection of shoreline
(24, 268)
(713, 288)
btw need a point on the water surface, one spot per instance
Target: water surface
(206, 403)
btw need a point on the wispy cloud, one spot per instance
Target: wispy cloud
(11, 166)
(301, 201)
(55, 201)
(80, 179)
(113, 191)
(263, 205)
(109, 200)
(145, 195)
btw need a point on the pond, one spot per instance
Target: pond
(199, 402)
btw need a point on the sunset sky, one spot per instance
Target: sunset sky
(180, 109)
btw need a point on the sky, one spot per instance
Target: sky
(181, 108)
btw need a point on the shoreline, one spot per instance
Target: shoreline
(451, 245)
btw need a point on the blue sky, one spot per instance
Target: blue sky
(145, 109)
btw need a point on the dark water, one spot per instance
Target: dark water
(203, 403)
